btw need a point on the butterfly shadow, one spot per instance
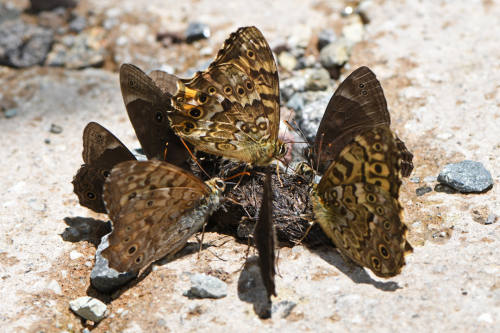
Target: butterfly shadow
(251, 288)
(355, 273)
(85, 229)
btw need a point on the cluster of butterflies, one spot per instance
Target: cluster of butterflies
(233, 110)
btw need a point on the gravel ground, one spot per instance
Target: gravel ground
(438, 63)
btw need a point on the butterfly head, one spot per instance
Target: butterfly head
(217, 185)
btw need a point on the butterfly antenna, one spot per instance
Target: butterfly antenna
(240, 174)
(194, 158)
(165, 154)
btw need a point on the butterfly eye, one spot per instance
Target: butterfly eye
(99, 136)
(211, 90)
(86, 185)
(387, 240)
(92, 174)
(219, 184)
(371, 198)
(131, 83)
(106, 173)
(249, 86)
(228, 90)
(241, 91)
(283, 150)
(195, 113)
(361, 85)
(250, 54)
(378, 168)
(131, 250)
(380, 210)
(91, 195)
(383, 251)
(377, 146)
(159, 117)
(138, 260)
(368, 187)
(365, 92)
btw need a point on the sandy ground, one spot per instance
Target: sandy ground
(439, 64)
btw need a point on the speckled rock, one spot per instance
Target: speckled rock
(204, 286)
(466, 176)
(89, 308)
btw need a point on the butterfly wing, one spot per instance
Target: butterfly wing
(151, 205)
(101, 152)
(356, 203)
(357, 105)
(265, 239)
(147, 107)
(232, 108)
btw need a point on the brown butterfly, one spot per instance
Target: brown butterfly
(357, 202)
(148, 107)
(101, 152)
(233, 108)
(265, 238)
(358, 104)
(155, 208)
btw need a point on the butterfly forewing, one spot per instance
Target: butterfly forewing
(358, 104)
(265, 239)
(147, 107)
(356, 203)
(101, 152)
(155, 207)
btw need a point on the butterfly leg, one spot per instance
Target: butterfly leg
(201, 241)
(278, 172)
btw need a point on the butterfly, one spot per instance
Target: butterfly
(232, 109)
(357, 204)
(155, 208)
(265, 238)
(101, 152)
(357, 104)
(148, 107)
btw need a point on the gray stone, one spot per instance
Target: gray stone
(8, 12)
(56, 129)
(40, 5)
(316, 79)
(311, 114)
(287, 61)
(466, 176)
(415, 180)
(353, 33)
(325, 37)
(83, 53)
(196, 31)
(10, 113)
(334, 54)
(430, 179)
(282, 309)
(24, 45)
(36, 205)
(306, 62)
(78, 24)
(300, 37)
(296, 102)
(57, 57)
(290, 86)
(490, 219)
(89, 308)
(423, 190)
(204, 286)
(103, 277)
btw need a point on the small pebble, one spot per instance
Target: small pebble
(466, 176)
(325, 37)
(430, 179)
(56, 129)
(55, 287)
(334, 54)
(89, 308)
(282, 309)
(10, 113)
(47, 141)
(415, 180)
(490, 219)
(423, 190)
(287, 61)
(38, 206)
(196, 31)
(78, 24)
(75, 255)
(205, 286)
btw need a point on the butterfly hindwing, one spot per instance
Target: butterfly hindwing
(356, 203)
(101, 152)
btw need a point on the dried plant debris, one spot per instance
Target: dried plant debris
(292, 210)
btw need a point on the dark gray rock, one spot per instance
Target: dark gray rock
(306, 62)
(205, 286)
(78, 24)
(296, 102)
(103, 277)
(466, 176)
(10, 113)
(53, 19)
(24, 45)
(325, 37)
(196, 31)
(8, 13)
(423, 190)
(39, 5)
(445, 189)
